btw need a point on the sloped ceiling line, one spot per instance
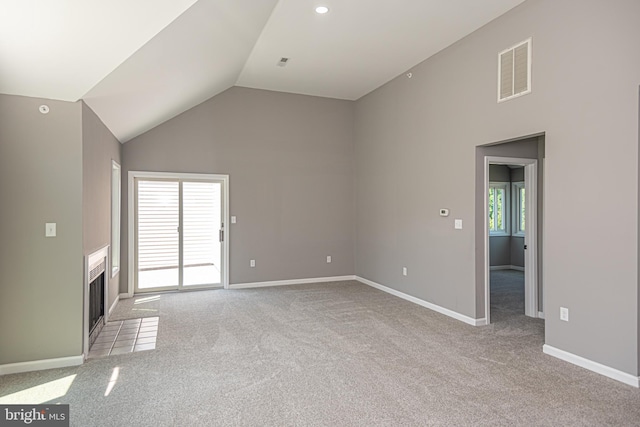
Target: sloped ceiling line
(138, 64)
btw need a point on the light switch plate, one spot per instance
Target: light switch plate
(233, 219)
(50, 229)
(458, 224)
(328, 259)
(404, 271)
(564, 314)
(252, 263)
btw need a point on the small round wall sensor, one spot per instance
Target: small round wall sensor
(44, 109)
(409, 75)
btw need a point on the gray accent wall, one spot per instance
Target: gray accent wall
(410, 132)
(40, 278)
(516, 175)
(499, 173)
(290, 162)
(99, 148)
(516, 251)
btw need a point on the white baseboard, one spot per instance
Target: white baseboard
(592, 366)
(291, 282)
(40, 365)
(113, 306)
(541, 314)
(125, 295)
(506, 267)
(423, 303)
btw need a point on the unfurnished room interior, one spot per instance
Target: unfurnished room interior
(300, 212)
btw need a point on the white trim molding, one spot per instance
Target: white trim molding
(116, 218)
(291, 282)
(113, 306)
(506, 267)
(132, 175)
(541, 314)
(466, 319)
(531, 237)
(596, 367)
(40, 365)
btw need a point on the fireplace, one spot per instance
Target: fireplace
(96, 299)
(96, 310)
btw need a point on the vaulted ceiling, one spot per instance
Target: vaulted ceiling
(138, 63)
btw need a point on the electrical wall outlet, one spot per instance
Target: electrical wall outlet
(233, 219)
(564, 314)
(50, 229)
(252, 263)
(328, 259)
(457, 224)
(404, 271)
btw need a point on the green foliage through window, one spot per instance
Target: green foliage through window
(498, 208)
(507, 208)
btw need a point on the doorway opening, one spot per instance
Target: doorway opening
(178, 239)
(511, 237)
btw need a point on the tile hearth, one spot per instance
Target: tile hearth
(126, 336)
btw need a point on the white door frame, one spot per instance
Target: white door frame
(531, 232)
(133, 175)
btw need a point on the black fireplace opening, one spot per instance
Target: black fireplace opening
(96, 302)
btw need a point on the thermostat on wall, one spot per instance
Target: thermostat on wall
(444, 212)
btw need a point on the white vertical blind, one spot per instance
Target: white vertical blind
(201, 222)
(158, 221)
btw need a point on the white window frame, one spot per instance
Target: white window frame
(116, 189)
(516, 210)
(170, 175)
(506, 216)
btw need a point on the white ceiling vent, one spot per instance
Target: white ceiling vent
(514, 71)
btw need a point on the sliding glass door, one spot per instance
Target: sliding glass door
(202, 237)
(179, 231)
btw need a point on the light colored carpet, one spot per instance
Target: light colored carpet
(507, 295)
(337, 354)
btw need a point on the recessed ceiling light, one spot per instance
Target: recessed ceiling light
(322, 10)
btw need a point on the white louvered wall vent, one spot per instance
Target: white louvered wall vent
(514, 71)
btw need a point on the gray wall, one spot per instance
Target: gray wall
(499, 173)
(41, 278)
(290, 161)
(516, 175)
(516, 251)
(499, 251)
(99, 148)
(410, 131)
